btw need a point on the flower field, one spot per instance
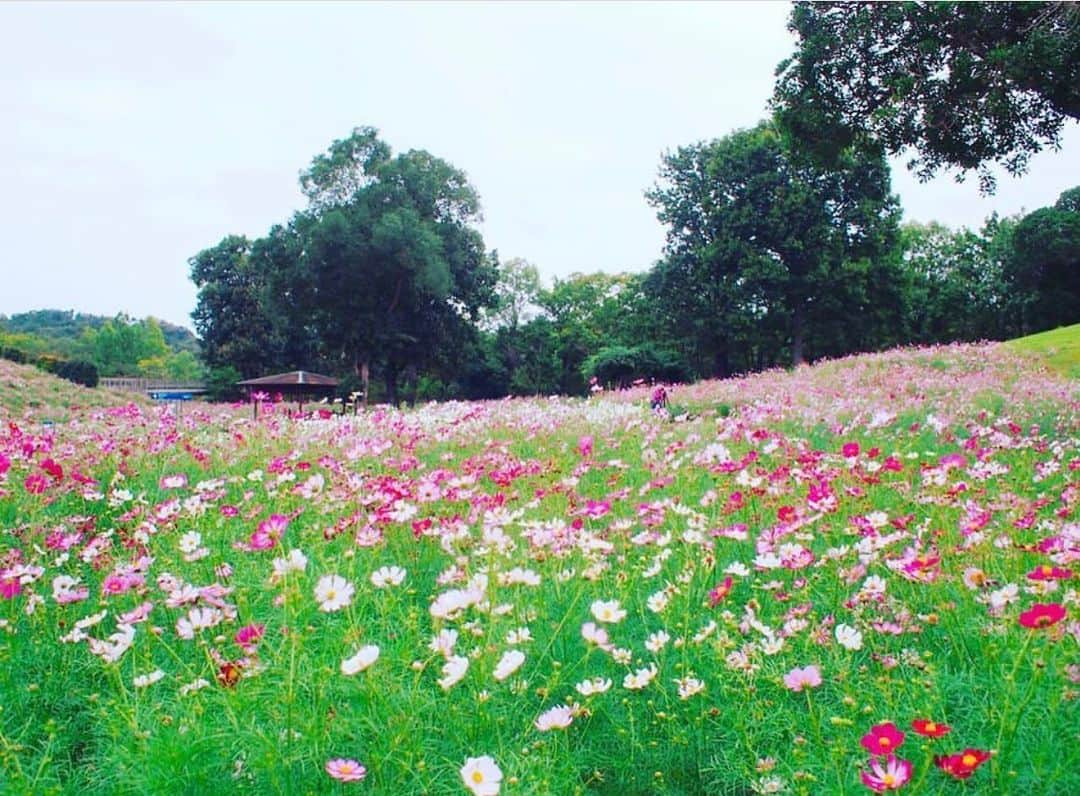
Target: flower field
(857, 577)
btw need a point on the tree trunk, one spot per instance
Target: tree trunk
(412, 378)
(364, 372)
(798, 329)
(391, 384)
(721, 364)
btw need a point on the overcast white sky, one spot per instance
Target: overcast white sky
(136, 134)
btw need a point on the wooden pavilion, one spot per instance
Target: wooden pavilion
(298, 385)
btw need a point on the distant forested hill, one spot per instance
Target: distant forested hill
(65, 326)
(120, 346)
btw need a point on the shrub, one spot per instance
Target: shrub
(13, 354)
(79, 371)
(620, 365)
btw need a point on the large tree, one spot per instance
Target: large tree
(231, 315)
(385, 266)
(963, 84)
(759, 237)
(1044, 267)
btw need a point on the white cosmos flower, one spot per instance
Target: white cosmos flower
(192, 687)
(556, 718)
(657, 641)
(144, 680)
(848, 637)
(771, 644)
(509, 663)
(333, 593)
(597, 685)
(608, 611)
(481, 775)
(199, 618)
(190, 542)
(519, 636)
(658, 602)
(688, 686)
(443, 642)
(296, 561)
(363, 658)
(384, 577)
(453, 671)
(640, 678)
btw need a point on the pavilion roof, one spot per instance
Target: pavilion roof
(294, 378)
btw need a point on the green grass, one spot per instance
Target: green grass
(1058, 349)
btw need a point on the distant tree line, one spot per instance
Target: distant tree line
(784, 241)
(771, 259)
(80, 344)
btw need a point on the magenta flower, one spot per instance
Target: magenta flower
(269, 532)
(35, 483)
(798, 679)
(883, 739)
(249, 635)
(888, 775)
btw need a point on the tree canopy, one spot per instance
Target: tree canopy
(761, 238)
(963, 84)
(383, 269)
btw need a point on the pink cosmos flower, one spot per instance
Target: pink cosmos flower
(10, 587)
(345, 770)
(269, 532)
(35, 483)
(177, 481)
(807, 677)
(585, 446)
(1042, 615)
(249, 635)
(888, 775)
(595, 509)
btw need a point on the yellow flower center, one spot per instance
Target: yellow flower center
(883, 741)
(930, 727)
(478, 776)
(1046, 570)
(889, 780)
(330, 595)
(969, 760)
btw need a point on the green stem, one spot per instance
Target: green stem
(995, 762)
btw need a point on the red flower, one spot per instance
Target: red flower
(882, 739)
(1046, 572)
(1042, 615)
(850, 450)
(962, 765)
(228, 674)
(931, 729)
(721, 591)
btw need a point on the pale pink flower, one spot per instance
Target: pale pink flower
(556, 718)
(807, 677)
(345, 770)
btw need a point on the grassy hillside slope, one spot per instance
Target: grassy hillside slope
(1058, 349)
(27, 392)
